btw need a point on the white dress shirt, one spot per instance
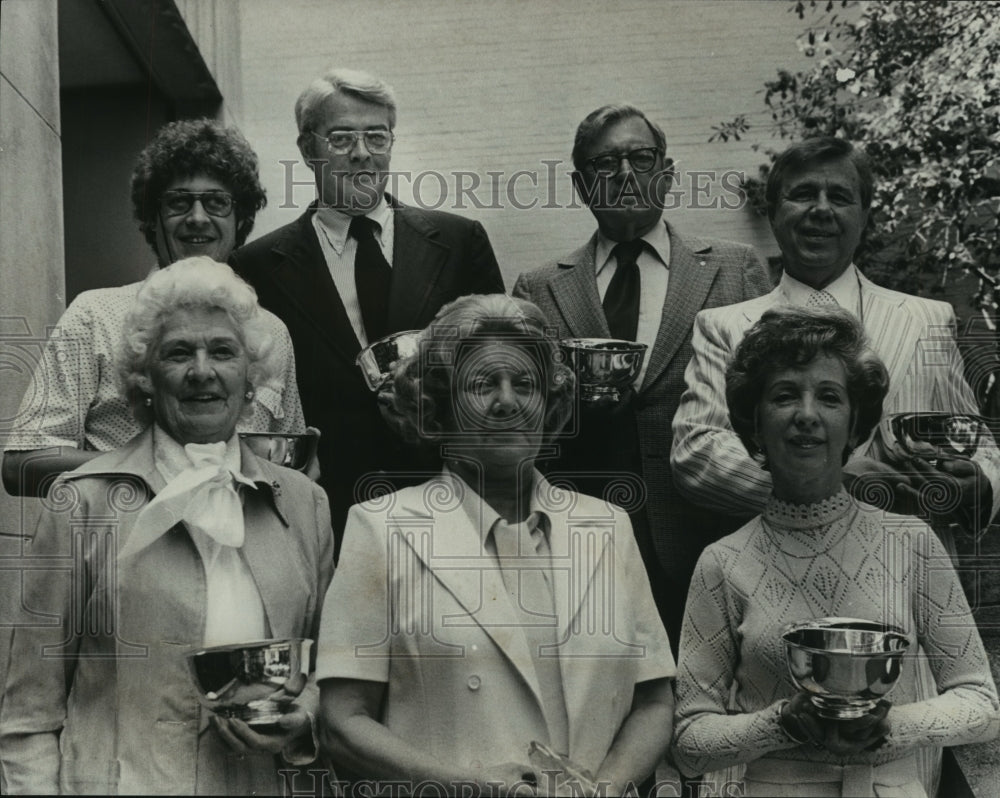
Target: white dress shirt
(654, 276)
(339, 249)
(846, 289)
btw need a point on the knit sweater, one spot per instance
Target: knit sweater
(841, 558)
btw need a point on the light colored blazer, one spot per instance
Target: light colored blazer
(98, 698)
(914, 337)
(704, 273)
(418, 604)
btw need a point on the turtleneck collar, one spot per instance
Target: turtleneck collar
(786, 515)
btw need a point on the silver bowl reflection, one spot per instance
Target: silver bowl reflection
(255, 682)
(845, 664)
(292, 450)
(934, 435)
(604, 366)
(378, 359)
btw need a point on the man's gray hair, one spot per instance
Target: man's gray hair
(352, 82)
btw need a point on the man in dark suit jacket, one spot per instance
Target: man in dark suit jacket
(353, 268)
(637, 279)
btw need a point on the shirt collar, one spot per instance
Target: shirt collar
(844, 289)
(171, 459)
(336, 224)
(658, 239)
(482, 516)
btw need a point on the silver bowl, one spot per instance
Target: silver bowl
(292, 450)
(604, 366)
(845, 664)
(378, 359)
(934, 435)
(255, 682)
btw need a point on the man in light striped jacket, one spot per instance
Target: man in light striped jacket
(818, 196)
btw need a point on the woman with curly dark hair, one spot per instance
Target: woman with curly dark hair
(191, 163)
(195, 191)
(804, 390)
(489, 609)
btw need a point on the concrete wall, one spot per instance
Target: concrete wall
(32, 286)
(501, 86)
(31, 240)
(215, 26)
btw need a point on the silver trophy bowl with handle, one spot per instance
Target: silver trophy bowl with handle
(845, 664)
(255, 682)
(378, 359)
(289, 449)
(604, 367)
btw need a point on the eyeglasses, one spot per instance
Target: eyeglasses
(341, 142)
(608, 164)
(179, 203)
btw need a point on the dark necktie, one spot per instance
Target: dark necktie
(372, 275)
(621, 300)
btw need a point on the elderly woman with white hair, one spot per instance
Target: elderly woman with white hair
(180, 539)
(488, 609)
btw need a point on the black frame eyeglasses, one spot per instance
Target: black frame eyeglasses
(341, 142)
(609, 164)
(214, 203)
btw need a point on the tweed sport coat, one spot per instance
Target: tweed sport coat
(437, 257)
(98, 699)
(704, 273)
(914, 337)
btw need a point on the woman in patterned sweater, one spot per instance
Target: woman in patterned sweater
(803, 390)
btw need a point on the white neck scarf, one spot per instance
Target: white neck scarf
(200, 493)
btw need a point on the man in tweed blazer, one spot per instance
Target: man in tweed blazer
(818, 195)
(623, 175)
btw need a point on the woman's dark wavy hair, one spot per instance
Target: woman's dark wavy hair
(191, 147)
(422, 386)
(790, 337)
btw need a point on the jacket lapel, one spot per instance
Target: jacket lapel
(691, 279)
(417, 260)
(576, 558)
(574, 290)
(268, 553)
(894, 335)
(301, 274)
(456, 559)
(134, 459)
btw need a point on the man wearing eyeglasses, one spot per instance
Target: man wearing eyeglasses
(637, 279)
(355, 267)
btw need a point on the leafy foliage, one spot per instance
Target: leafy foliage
(916, 84)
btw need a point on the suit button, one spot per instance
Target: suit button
(474, 682)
